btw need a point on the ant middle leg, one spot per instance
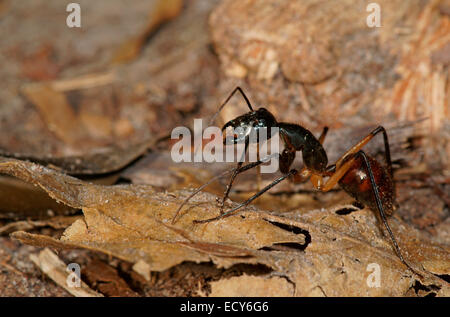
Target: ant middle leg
(285, 160)
(258, 172)
(233, 176)
(316, 179)
(248, 201)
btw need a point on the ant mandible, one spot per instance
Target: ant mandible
(360, 175)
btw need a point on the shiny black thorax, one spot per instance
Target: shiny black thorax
(297, 138)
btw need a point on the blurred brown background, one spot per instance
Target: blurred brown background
(134, 71)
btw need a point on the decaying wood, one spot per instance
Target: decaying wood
(318, 62)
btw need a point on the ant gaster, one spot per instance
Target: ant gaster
(360, 175)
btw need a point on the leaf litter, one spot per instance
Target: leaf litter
(317, 252)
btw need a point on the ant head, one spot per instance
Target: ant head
(249, 123)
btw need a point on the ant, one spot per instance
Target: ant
(357, 173)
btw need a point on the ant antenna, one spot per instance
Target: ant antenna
(239, 89)
(228, 99)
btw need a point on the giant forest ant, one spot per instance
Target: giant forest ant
(360, 175)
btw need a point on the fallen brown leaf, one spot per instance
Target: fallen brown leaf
(58, 222)
(252, 286)
(315, 250)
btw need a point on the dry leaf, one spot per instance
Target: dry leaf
(101, 166)
(56, 269)
(252, 286)
(316, 250)
(143, 269)
(58, 222)
(130, 222)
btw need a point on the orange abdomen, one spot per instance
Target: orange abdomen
(356, 183)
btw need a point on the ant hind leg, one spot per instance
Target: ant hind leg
(381, 209)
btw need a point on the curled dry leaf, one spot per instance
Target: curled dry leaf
(130, 222)
(318, 250)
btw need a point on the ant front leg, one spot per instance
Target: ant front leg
(237, 170)
(248, 201)
(233, 176)
(286, 159)
(258, 171)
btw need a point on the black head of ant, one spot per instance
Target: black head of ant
(251, 122)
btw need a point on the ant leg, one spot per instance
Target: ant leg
(387, 148)
(258, 172)
(337, 170)
(287, 157)
(233, 176)
(340, 172)
(317, 180)
(381, 210)
(366, 140)
(240, 170)
(228, 188)
(285, 161)
(248, 201)
(237, 89)
(335, 173)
